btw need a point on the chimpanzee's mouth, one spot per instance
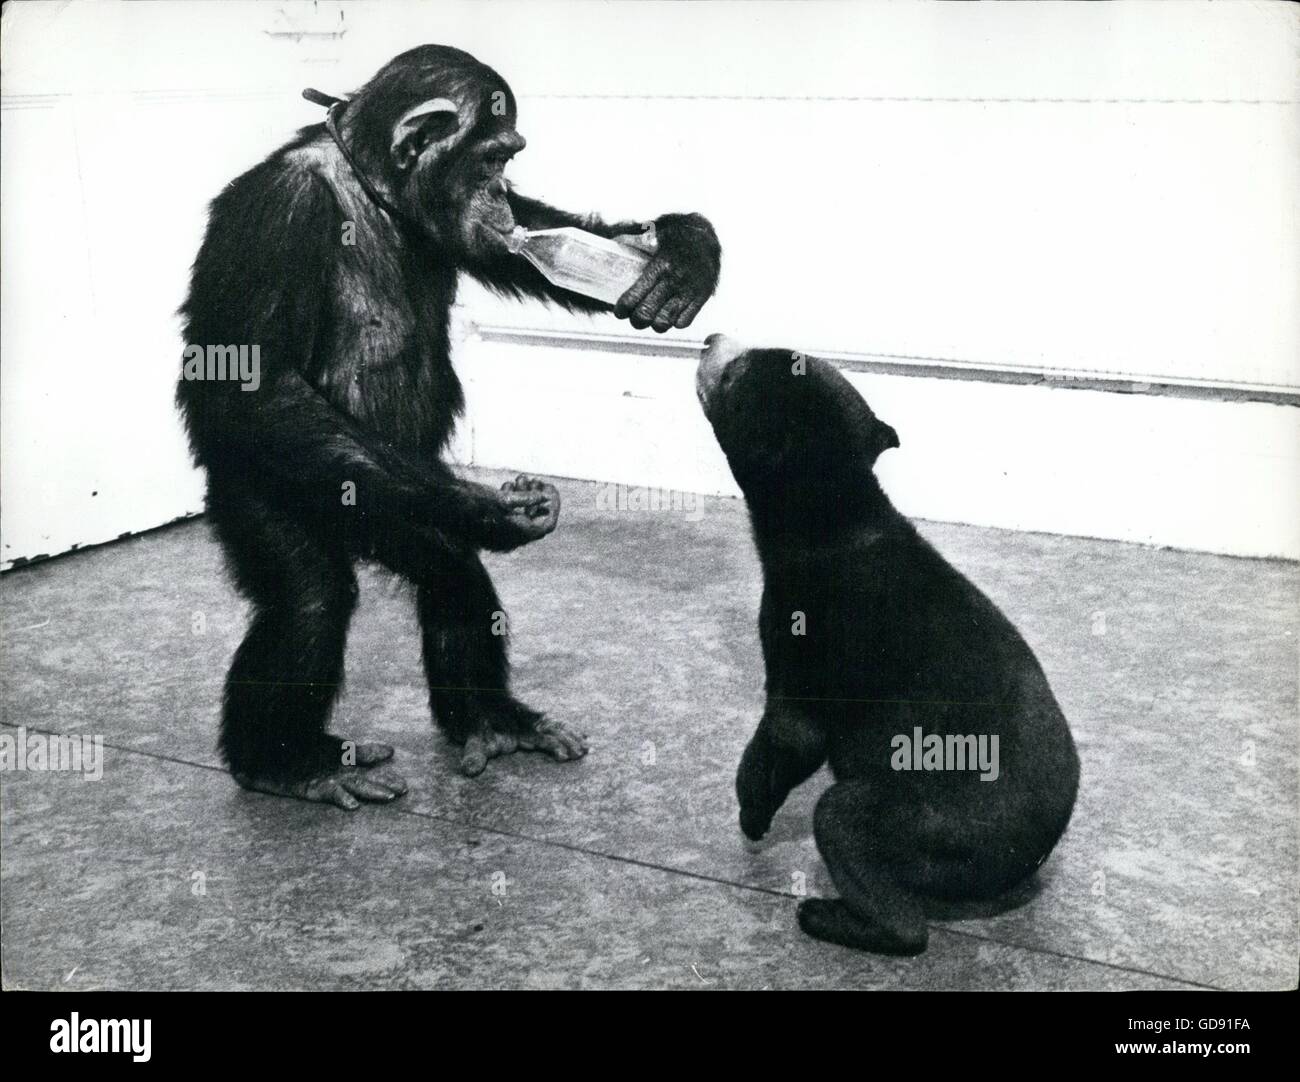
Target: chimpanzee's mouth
(500, 218)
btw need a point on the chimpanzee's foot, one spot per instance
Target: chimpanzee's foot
(829, 919)
(518, 728)
(358, 777)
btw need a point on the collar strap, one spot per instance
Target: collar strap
(336, 108)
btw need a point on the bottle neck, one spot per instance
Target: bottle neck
(517, 240)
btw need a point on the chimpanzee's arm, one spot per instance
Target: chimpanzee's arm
(534, 214)
(263, 277)
(403, 512)
(670, 292)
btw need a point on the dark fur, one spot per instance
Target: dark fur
(895, 638)
(358, 386)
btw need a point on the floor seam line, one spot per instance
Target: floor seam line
(573, 847)
(772, 892)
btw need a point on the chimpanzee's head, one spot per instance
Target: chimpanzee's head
(792, 427)
(436, 128)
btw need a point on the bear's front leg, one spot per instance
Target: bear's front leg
(787, 748)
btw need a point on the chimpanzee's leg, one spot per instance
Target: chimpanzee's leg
(463, 627)
(288, 670)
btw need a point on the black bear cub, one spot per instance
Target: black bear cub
(955, 772)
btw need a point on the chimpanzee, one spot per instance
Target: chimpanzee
(955, 772)
(337, 258)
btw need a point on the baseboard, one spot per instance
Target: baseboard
(1209, 470)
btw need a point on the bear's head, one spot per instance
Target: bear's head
(800, 440)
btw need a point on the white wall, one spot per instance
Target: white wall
(116, 133)
(1097, 189)
(1184, 472)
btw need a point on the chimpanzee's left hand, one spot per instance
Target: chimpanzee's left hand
(679, 279)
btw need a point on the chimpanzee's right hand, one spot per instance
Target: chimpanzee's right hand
(532, 509)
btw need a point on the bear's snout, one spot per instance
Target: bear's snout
(719, 351)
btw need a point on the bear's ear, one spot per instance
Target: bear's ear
(881, 439)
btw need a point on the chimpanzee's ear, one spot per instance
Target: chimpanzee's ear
(881, 438)
(429, 122)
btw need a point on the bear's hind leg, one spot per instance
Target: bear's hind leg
(865, 846)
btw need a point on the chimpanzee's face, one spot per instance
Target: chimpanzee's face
(451, 153)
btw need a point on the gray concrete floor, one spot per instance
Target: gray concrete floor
(1177, 671)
